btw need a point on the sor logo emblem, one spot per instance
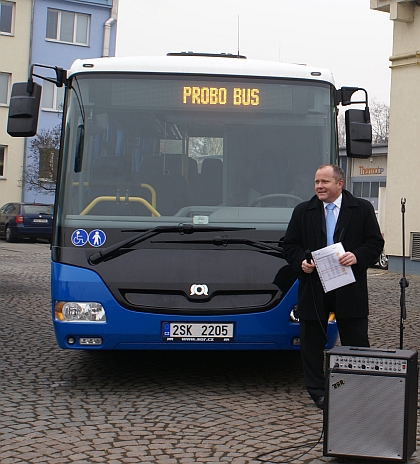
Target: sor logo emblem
(199, 290)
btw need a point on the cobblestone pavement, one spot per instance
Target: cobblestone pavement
(159, 407)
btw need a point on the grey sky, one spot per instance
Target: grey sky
(344, 36)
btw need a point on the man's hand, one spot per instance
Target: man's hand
(347, 259)
(306, 267)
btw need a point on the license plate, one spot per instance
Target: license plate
(197, 332)
(41, 220)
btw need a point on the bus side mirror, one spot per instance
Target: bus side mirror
(358, 134)
(24, 110)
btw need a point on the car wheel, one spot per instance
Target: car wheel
(383, 261)
(9, 235)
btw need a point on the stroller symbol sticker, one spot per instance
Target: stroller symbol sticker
(97, 238)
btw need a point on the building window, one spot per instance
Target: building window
(68, 27)
(2, 159)
(52, 97)
(4, 88)
(369, 190)
(6, 17)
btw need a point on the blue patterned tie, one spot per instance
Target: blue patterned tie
(330, 223)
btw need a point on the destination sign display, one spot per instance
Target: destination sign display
(220, 96)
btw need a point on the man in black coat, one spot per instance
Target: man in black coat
(358, 230)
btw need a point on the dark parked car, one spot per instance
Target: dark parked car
(26, 220)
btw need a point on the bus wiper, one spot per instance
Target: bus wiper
(181, 229)
(224, 240)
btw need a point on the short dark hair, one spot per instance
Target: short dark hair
(338, 173)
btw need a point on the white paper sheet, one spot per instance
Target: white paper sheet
(331, 273)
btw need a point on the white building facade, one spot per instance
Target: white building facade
(403, 161)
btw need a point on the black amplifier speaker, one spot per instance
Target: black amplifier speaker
(370, 408)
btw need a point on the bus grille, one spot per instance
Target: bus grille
(219, 302)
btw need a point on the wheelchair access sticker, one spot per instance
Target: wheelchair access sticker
(95, 238)
(79, 237)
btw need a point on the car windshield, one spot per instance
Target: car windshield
(143, 152)
(37, 209)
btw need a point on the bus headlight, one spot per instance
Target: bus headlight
(74, 311)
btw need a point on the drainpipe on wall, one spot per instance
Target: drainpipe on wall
(107, 29)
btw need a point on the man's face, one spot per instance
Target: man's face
(326, 187)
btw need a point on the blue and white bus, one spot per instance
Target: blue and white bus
(177, 179)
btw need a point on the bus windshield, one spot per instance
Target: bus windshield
(141, 151)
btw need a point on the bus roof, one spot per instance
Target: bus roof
(220, 66)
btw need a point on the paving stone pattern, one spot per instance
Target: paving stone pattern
(62, 406)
